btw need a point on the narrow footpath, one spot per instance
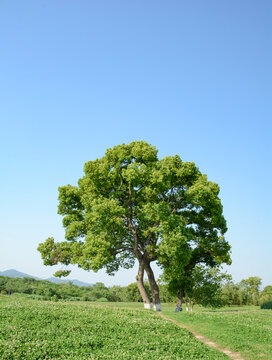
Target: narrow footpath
(231, 354)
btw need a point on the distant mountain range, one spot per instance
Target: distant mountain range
(17, 274)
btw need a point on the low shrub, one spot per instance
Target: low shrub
(267, 305)
(54, 298)
(102, 299)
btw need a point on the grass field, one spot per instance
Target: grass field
(247, 330)
(32, 329)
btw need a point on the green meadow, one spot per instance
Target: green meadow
(243, 329)
(32, 329)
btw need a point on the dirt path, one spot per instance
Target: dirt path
(232, 354)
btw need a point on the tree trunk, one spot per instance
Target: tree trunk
(154, 287)
(179, 303)
(140, 284)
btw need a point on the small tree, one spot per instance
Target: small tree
(251, 287)
(205, 287)
(266, 294)
(202, 285)
(252, 284)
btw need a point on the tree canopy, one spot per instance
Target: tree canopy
(132, 205)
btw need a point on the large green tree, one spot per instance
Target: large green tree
(107, 218)
(130, 206)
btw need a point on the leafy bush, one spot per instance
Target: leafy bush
(267, 305)
(102, 299)
(54, 298)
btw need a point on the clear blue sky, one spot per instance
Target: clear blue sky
(191, 77)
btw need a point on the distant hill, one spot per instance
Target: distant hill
(61, 281)
(17, 274)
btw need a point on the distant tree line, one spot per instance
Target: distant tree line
(46, 290)
(207, 291)
(246, 292)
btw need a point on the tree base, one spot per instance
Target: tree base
(148, 306)
(178, 308)
(157, 307)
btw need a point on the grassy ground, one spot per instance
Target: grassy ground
(247, 330)
(32, 329)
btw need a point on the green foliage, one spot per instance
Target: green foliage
(62, 273)
(246, 292)
(102, 299)
(45, 290)
(42, 289)
(267, 305)
(205, 285)
(132, 292)
(47, 330)
(165, 295)
(266, 294)
(201, 285)
(252, 283)
(199, 237)
(209, 287)
(100, 214)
